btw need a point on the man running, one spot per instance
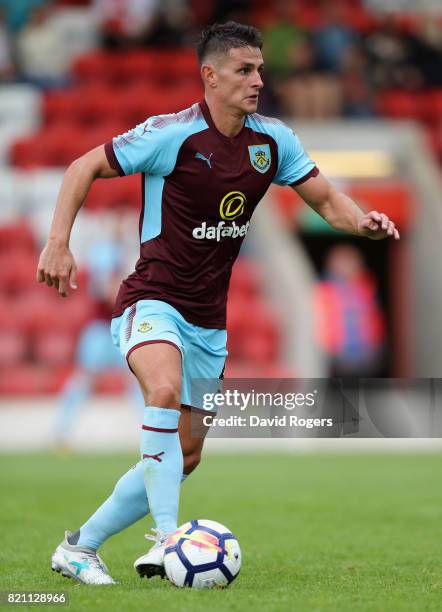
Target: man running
(203, 170)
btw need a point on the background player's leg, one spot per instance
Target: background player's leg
(72, 397)
(157, 367)
(128, 502)
(133, 394)
(95, 353)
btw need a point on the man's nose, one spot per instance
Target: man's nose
(258, 82)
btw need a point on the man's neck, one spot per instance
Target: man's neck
(227, 121)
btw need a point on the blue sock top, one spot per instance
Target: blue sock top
(161, 418)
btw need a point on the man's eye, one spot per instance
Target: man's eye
(244, 70)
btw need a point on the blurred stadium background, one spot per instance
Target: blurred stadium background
(359, 81)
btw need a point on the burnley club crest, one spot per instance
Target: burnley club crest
(260, 157)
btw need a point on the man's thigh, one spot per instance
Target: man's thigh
(148, 334)
(157, 367)
(204, 359)
(148, 324)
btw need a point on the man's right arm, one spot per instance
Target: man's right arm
(57, 266)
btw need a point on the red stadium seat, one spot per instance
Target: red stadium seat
(124, 193)
(31, 379)
(399, 104)
(141, 101)
(54, 347)
(45, 148)
(60, 146)
(434, 134)
(5, 308)
(408, 22)
(359, 19)
(308, 16)
(157, 66)
(17, 270)
(88, 105)
(113, 381)
(133, 66)
(175, 66)
(10, 317)
(73, 314)
(95, 104)
(150, 67)
(260, 348)
(81, 118)
(13, 347)
(85, 140)
(41, 309)
(61, 143)
(35, 309)
(91, 67)
(58, 106)
(17, 235)
(136, 103)
(187, 95)
(252, 331)
(245, 281)
(432, 106)
(25, 153)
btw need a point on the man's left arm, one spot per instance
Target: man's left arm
(342, 213)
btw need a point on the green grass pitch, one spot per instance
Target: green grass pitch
(319, 532)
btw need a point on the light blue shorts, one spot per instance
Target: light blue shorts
(203, 350)
(95, 351)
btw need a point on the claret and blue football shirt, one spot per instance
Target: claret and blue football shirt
(200, 189)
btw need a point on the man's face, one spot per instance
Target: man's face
(236, 79)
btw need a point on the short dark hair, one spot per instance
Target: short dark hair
(220, 37)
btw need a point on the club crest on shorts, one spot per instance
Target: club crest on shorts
(144, 326)
(260, 157)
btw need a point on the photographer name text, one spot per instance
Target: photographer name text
(255, 421)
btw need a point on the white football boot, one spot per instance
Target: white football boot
(81, 563)
(152, 563)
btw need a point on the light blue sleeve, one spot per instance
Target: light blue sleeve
(293, 161)
(148, 149)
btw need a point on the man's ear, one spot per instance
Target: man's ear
(209, 75)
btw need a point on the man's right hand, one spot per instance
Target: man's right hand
(57, 267)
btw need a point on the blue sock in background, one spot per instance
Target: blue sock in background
(72, 398)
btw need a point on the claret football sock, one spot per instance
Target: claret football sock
(162, 459)
(125, 506)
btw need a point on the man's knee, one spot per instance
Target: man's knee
(162, 394)
(158, 370)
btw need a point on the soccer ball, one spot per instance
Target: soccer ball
(202, 554)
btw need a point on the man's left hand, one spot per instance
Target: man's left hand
(377, 226)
